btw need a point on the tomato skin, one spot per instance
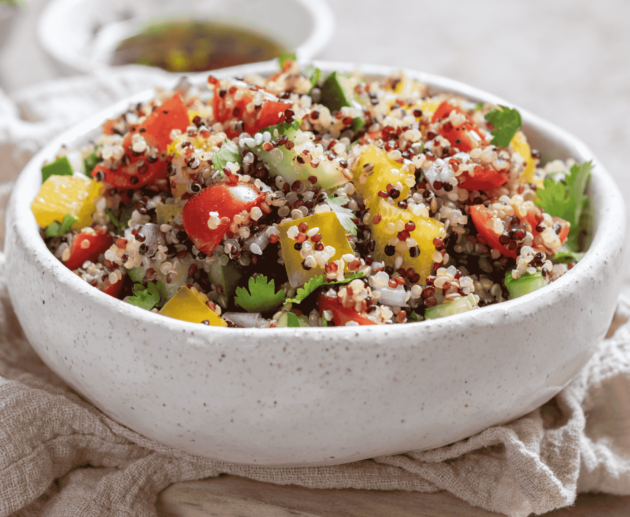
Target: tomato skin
(171, 114)
(98, 244)
(121, 177)
(480, 214)
(225, 199)
(341, 314)
(270, 113)
(112, 289)
(156, 131)
(458, 136)
(565, 226)
(484, 179)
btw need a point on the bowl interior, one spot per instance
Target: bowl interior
(607, 204)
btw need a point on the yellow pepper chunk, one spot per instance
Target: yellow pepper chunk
(386, 230)
(198, 142)
(384, 171)
(429, 106)
(166, 213)
(62, 195)
(520, 146)
(186, 306)
(333, 234)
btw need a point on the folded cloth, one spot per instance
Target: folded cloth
(60, 456)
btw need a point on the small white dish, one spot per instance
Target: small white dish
(316, 396)
(80, 35)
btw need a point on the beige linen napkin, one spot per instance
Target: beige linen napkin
(61, 457)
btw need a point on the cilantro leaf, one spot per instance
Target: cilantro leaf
(507, 122)
(313, 74)
(228, 152)
(56, 229)
(566, 255)
(315, 283)
(145, 298)
(262, 295)
(89, 163)
(567, 201)
(345, 215)
(286, 56)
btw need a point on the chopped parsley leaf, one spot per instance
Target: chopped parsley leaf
(286, 56)
(315, 283)
(145, 298)
(507, 122)
(228, 152)
(56, 229)
(262, 295)
(345, 215)
(567, 201)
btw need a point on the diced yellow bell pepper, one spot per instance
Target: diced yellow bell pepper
(186, 306)
(62, 195)
(429, 106)
(166, 213)
(520, 146)
(385, 172)
(198, 142)
(426, 229)
(333, 234)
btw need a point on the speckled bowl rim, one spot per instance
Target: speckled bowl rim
(609, 221)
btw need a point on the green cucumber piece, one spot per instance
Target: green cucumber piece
(283, 162)
(525, 284)
(227, 276)
(337, 94)
(136, 274)
(289, 319)
(463, 304)
(60, 167)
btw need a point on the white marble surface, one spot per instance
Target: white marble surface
(566, 60)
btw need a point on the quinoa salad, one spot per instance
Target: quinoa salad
(304, 199)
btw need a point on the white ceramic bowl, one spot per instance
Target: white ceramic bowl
(81, 34)
(321, 395)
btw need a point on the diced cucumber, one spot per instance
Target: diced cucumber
(60, 167)
(166, 290)
(137, 274)
(337, 93)
(463, 304)
(289, 319)
(283, 162)
(227, 276)
(525, 284)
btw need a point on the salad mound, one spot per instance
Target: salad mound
(303, 200)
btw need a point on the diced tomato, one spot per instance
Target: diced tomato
(480, 215)
(341, 315)
(112, 289)
(565, 226)
(226, 200)
(484, 179)
(171, 114)
(270, 113)
(156, 131)
(464, 137)
(97, 244)
(121, 178)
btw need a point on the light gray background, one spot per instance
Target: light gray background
(566, 60)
